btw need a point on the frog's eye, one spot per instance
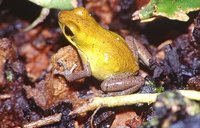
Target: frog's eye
(68, 31)
(81, 11)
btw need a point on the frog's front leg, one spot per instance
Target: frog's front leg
(70, 75)
(121, 84)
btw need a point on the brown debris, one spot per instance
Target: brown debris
(7, 53)
(141, 3)
(194, 83)
(127, 118)
(11, 110)
(196, 30)
(35, 58)
(9, 122)
(100, 118)
(105, 9)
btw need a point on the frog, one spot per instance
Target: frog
(105, 55)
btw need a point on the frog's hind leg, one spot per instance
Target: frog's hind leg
(138, 50)
(130, 42)
(122, 84)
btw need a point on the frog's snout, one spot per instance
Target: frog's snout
(60, 16)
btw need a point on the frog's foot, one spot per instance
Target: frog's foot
(69, 73)
(122, 84)
(124, 92)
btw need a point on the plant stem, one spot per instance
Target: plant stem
(115, 101)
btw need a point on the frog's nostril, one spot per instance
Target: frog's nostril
(67, 31)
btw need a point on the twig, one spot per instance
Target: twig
(43, 14)
(92, 117)
(5, 96)
(115, 101)
(47, 5)
(44, 121)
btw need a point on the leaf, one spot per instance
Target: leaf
(56, 4)
(172, 9)
(47, 5)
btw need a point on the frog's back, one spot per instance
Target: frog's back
(111, 55)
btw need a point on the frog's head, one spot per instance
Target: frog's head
(74, 22)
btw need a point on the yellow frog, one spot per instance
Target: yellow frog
(105, 55)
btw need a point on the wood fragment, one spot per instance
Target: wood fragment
(124, 100)
(5, 96)
(44, 121)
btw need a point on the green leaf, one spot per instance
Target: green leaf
(47, 5)
(9, 76)
(56, 4)
(172, 9)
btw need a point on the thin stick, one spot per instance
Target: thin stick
(92, 117)
(43, 14)
(5, 96)
(44, 121)
(115, 101)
